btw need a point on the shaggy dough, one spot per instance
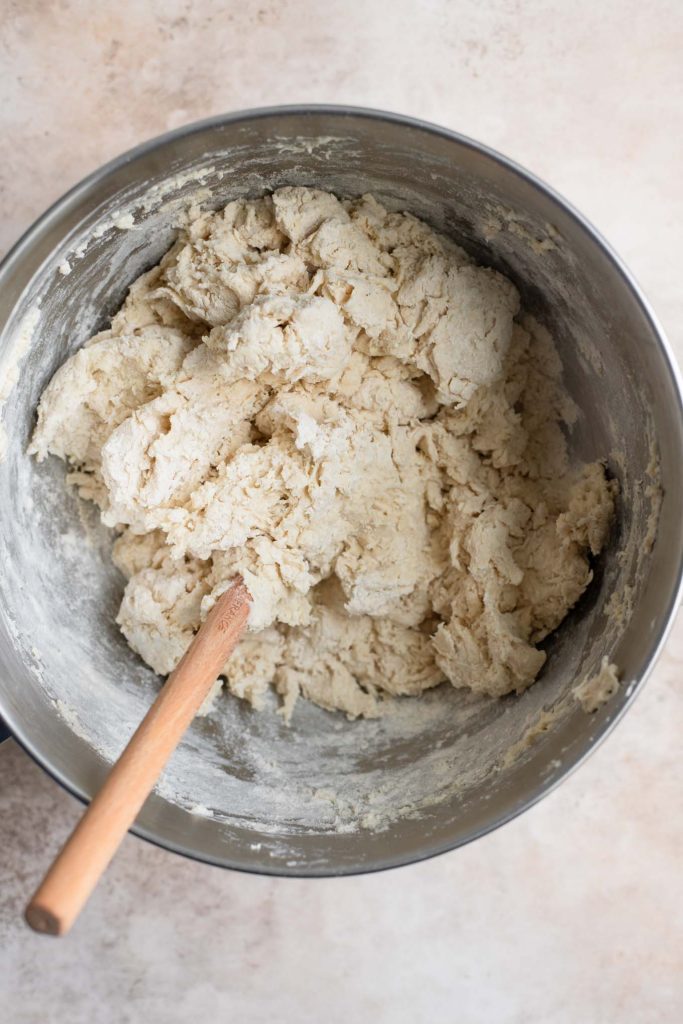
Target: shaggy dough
(336, 403)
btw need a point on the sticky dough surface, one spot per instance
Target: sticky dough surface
(336, 403)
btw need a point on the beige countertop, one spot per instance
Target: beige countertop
(572, 913)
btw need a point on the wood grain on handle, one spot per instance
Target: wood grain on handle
(94, 841)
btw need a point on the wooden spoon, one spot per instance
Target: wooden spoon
(90, 847)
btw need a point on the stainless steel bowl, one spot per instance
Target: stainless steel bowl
(328, 796)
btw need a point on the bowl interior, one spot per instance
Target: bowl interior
(325, 795)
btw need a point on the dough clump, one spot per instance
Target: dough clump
(334, 402)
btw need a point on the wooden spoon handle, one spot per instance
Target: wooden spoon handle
(87, 852)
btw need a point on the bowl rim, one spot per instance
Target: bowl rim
(70, 199)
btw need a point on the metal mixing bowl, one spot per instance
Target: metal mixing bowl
(328, 796)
